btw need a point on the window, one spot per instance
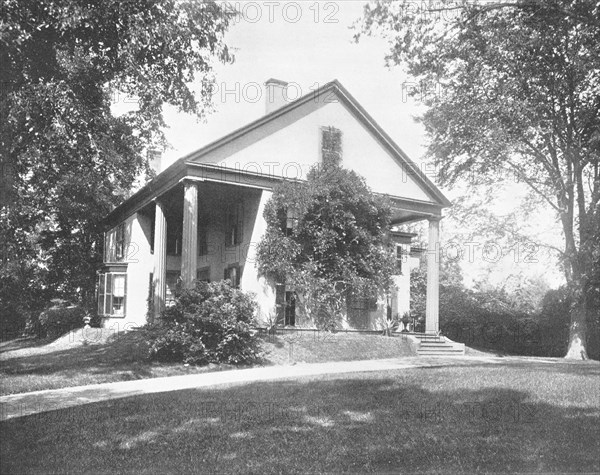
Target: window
(358, 309)
(174, 237)
(234, 229)
(290, 308)
(203, 274)
(288, 220)
(285, 303)
(120, 242)
(291, 222)
(331, 146)
(399, 257)
(112, 293)
(202, 239)
(233, 274)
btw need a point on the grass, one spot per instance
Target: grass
(319, 347)
(30, 365)
(518, 417)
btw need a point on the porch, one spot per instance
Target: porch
(200, 221)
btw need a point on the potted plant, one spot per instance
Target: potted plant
(405, 321)
(390, 325)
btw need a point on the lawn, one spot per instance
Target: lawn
(29, 365)
(517, 417)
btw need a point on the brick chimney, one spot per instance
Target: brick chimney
(276, 94)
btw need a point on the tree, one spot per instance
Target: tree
(67, 160)
(517, 89)
(327, 238)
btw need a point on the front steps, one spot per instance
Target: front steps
(434, 345)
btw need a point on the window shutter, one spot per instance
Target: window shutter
(101, 293)
(331, 146)
(202, 239)
(280, 303)
(282, 219)
(105, 250)
(108, 292)
(399, 259)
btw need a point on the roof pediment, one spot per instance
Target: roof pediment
(259, 146)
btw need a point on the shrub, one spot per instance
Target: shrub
(210, 323)
(59, 319)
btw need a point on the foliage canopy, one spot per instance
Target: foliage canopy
(328, 237)
(67, 159)
(513, 86)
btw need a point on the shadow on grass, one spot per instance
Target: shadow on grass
(454, 421)
(24, 342)
(123, 355)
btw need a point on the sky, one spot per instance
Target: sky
(308, 44)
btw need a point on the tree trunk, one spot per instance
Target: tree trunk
(577, 331)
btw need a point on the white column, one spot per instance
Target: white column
(189, 246)
(432, 319)
(159, 279)
(251, 280)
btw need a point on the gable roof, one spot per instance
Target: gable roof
(333, 87)
(178, 169)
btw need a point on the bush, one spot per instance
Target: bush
(210, 323)
(59, 319)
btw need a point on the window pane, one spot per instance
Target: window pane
(232, 235)
(119, 286)
(118, 305)
(290, 308)
(120, 242)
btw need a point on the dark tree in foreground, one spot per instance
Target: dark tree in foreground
(328, 238)
(66, 158)
(514, 86)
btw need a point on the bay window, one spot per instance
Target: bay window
(112, 294)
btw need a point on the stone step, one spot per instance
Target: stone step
(430, 338)
(430, 344)
(440, 349)
(426, 344)
(447, 350)
(439, 353)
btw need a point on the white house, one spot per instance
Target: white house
(202, 217)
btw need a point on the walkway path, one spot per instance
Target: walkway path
(24, 404)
